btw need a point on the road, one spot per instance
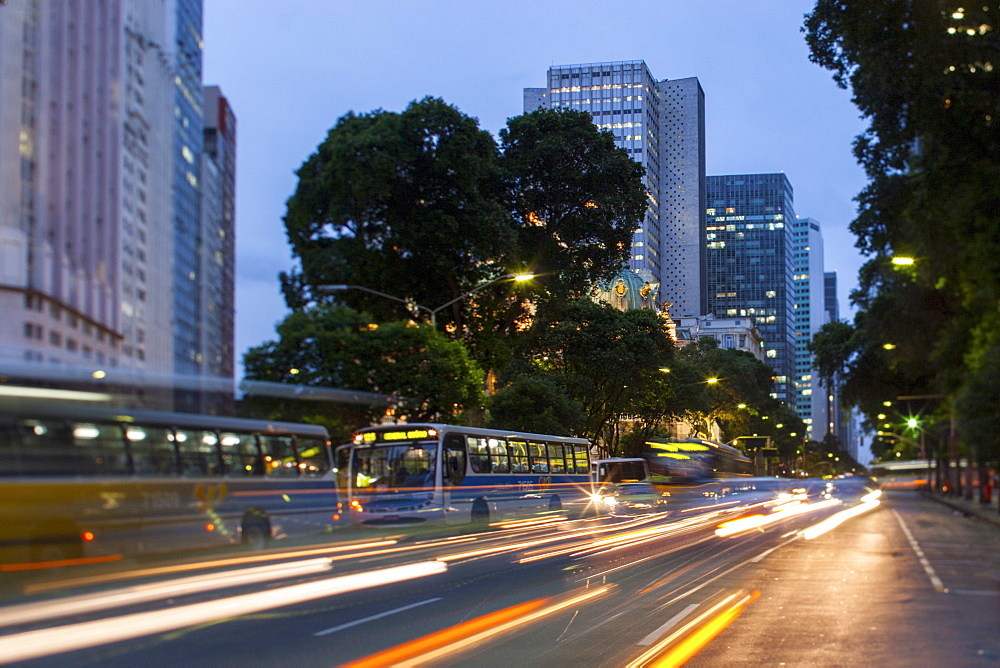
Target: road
(906, 582)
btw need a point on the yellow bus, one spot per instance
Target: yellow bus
(85, 483)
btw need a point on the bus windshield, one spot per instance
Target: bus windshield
(398, 466)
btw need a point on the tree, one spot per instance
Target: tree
(432, 377)
(575, 200)
(403, 203)
(923, 74)
(740, 379)
(535, 404)
(604, 359)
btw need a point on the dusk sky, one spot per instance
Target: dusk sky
(290, 69)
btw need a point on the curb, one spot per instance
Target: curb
(984, 515)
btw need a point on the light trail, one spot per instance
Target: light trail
(432, 648)
(85, 603)
(695, 634)
(836, 520)
(201, 565)
(59, 639)
(786, 511)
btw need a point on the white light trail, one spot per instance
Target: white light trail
(45, 642)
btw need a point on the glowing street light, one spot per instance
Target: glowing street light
(902, 261)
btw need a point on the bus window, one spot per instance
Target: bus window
(313, 460)
(557, 464)
(518, 456)
(279, 456)
(499, 463)
(240, 455)
(42, 447)
(580, 453)
(479, 455)
(105, 445)
(153, 451)
(453, 460)
(199, 454)
(539, 460)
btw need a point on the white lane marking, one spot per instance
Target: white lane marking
(671, 623)
(356, 622)
(915, 546)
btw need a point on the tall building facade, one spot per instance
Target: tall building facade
(810, 314)
(662, 125)
(97, 231)
(217, 234)
(749, 224)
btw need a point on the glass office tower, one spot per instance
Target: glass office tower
(750, 263)
(662, 125)
(810, 314)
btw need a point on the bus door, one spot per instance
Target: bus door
(453, 463)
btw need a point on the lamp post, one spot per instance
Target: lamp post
(954, 483)
(410, 303)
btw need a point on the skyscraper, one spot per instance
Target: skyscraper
(810, 314)
(750, 263)
(662, 125)
(217, 234)
(100, 168)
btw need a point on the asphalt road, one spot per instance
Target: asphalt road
(904, 583)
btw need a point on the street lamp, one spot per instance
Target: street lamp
(410, 303)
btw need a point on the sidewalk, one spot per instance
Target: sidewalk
(984, 511)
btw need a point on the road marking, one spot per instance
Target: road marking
(672, 622)
(935, 580)
(356, 622)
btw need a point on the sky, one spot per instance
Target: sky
(290, 69)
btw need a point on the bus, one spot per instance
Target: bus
(412, 474)
(92, 483)
(903, 474)
(695, 459)
(619, 469)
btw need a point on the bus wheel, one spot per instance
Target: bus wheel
(256, 532)
(555, 504)
(480, 513)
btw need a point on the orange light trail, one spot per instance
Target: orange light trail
(694, 643)
(431, 648)
(695, 634)
(42, 565)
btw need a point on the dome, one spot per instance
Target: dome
(628, 290)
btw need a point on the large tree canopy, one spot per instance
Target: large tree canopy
(926, 76)
(402, 203)
(423, 207)
(575, 199)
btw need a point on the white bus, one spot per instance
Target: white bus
(437, 473)
(85, 483)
